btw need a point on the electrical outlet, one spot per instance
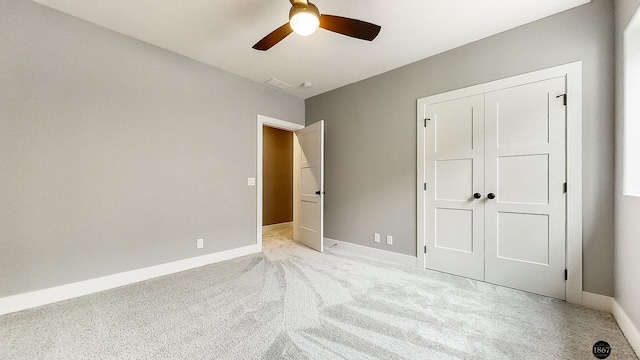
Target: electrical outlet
(251, 181)
(200, 243)
(376, 237)
(389, 240)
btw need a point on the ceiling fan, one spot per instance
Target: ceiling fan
(305, 18)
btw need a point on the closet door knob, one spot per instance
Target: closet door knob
(491, 196)
(477, 196)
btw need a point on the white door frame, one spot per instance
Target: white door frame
(282, 125)
(573, 75)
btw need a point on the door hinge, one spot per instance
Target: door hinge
(565, 188)
(425, 249)
(425, 122)
(425, 186)
(566, 274)
(564, 98)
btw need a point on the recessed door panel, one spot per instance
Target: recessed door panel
(310, 142)
(454, 179)
(307, 219)
(522, 115)
(523, 237)
(523, 179)
(453, 127)
(454, 229)
(308, 182)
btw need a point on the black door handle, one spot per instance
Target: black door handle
(491, 196)
(319, 192)
(477, 196)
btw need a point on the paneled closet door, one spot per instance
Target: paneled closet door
(454, 172)
(524, 182)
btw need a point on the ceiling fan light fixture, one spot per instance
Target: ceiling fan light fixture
(304, 20)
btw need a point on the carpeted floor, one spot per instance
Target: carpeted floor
(294, 303)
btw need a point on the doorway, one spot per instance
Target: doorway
(495, 162)
(308, 180)
(272, 123)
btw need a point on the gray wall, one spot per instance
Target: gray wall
(371, 135)
(277, 176)
(115, 154)
(627, 247)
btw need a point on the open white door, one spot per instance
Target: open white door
(310, 168)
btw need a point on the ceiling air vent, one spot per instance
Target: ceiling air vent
(278, 84)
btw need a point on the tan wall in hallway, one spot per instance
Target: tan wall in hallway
(277, 176)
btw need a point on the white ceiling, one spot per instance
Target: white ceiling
(222, 32)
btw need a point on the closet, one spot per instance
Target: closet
(495, 174)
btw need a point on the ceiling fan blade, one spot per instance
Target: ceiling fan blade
(273, 38)
(350, 27)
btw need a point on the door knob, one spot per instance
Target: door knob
(491, 196)
(477, 196)
(319, 192)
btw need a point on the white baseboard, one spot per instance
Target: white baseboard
(610, 305)
(372, 252)
(597, 302)
(629, 330)
(279, 226)
(37, 298)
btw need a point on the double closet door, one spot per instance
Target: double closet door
(495, 173)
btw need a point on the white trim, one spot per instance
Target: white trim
(297, 153)
(282, 125)
(626, 325)
(630, 108)
(421, 176)
(573, 75)
(611, 306)
(573, 287)
(597, 302)
(383, 255)
(33, 299)
(279, 226)
(322, 129)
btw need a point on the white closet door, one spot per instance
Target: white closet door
(525, 170)
(454, 171)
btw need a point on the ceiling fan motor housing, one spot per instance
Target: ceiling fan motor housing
(300, 7)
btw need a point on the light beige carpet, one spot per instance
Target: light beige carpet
(294, 303)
